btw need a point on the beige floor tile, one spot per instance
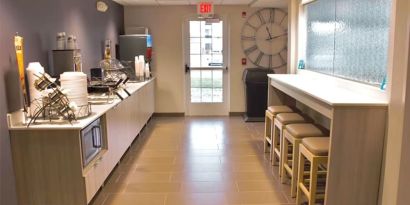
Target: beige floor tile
(203, 152)
(163, 146)
(153, 187)
(196, 161)
(204, 167)
(261, 185)
(256, 198)
(196, 199)
(232, 159)
(133, 199)
(243, 176)
(197, 177)
(154, 160)
(157, 168)
(209, 187)
(160, 153)
(138, 177)
(246, 167)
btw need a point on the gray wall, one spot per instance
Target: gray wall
(38, 22)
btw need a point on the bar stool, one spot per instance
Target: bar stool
(279, 123)
(292, 137)
(270, 114)
(315, 150)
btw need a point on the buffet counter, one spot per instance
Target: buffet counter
(66, 164)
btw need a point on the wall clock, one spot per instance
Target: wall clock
(264, 38)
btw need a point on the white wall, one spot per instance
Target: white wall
(166, 25)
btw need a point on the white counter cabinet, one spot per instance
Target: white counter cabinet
(48, 160)
(357, 116)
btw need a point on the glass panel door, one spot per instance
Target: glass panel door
(206, 65)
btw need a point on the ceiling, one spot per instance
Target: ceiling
(252, 3)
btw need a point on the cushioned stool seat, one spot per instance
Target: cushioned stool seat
(281, 120)
(314, 150)
(288, 118)
(317, 145)
(270, 114)
(279, 109)
(292, 137)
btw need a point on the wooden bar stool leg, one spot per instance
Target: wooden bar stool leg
(295, 167)
(284, 159)
(274, 158)
(313, 181)
(300, 178)
(267, 133)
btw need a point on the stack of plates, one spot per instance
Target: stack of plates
(75, 84)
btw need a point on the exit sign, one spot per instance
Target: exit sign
(205, 8)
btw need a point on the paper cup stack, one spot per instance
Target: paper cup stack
(75, 84)
(34, 70)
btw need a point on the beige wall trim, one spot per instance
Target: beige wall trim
(169, 114)
(398, 86)
(404, 177)
(236, 113)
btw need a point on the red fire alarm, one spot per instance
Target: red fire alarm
(243, 61)
(243, 14)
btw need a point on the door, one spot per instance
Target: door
(206, 67)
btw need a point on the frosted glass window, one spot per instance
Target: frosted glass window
(348, 38)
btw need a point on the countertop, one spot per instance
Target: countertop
(331, 90)
(97, 111)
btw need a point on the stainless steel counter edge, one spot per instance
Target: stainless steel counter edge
(97, 111)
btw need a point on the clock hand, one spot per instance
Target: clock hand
(267, 29)
(270, 38)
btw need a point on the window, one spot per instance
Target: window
(206, 86)
(206, 44)
(348, 38)
(206, 60)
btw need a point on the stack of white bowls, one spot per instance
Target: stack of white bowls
(34, 71)
(75, 85)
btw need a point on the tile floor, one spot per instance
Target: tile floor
(196, 161)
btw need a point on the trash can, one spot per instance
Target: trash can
(256, 93)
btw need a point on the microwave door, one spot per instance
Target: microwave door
(89, 146)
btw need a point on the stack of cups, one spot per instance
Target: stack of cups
(139, 67)
(146, 71)
(75, 84)
(136, 68)
(34, 71)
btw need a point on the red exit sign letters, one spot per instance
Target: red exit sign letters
(205, 8)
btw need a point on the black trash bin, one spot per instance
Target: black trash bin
(256, 93)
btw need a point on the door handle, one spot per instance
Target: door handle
(96, 137)
(187, 68)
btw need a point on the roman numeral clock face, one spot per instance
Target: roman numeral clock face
(264, 38)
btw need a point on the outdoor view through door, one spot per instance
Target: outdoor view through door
(206, 60)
